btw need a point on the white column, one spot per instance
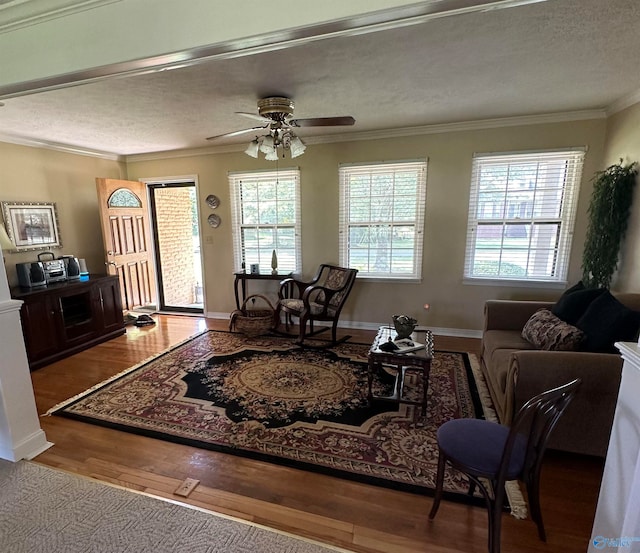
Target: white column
(20, 434)
(617, 523)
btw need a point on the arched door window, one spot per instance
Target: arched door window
(123, 197)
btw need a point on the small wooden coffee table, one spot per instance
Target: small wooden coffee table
(402, 363)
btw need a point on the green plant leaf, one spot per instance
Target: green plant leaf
(609, 211)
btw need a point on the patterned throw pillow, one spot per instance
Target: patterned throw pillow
(546, 331)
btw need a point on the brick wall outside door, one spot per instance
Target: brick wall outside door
(173, 210)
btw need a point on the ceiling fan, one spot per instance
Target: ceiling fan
(276, 115)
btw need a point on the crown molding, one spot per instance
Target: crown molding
(59, 147)
(188, 152)
(481, 124)
(17, 14)
(624, 102)
(389, 133)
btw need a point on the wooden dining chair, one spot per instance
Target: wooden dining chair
(489, 451)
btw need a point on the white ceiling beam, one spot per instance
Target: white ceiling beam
(108, 38)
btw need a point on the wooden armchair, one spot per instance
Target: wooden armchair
(320, 299)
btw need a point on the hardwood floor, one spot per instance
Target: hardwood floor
(351, 515)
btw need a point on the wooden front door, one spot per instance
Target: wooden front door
(124, 213)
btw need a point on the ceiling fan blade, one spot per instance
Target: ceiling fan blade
(323, 121)
(253, 116)
(237, 133)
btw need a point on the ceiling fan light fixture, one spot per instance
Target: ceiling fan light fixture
(277, 113)
(272, 155)
(252, 149)
(274, 143)
(267, 144)
(297, 147)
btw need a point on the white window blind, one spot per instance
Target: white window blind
(521, 215)
(266, 217)
(382, 218)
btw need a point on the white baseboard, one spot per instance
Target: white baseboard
(28, 448)
(358, 325)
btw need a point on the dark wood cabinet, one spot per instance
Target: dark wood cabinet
(63, 318)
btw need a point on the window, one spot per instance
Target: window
(266, 217)
(521, 215)
(382, 218)
(123, 197)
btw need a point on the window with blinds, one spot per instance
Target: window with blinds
(521, 215)
(382, 218)
(266, 217)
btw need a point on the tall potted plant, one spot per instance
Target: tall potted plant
(609, 211)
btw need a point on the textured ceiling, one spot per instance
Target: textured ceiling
(544, 58)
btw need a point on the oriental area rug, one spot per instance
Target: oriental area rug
(266, 398)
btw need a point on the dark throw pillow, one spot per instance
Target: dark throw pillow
(546, 331)
(574, 302)
(607, 321)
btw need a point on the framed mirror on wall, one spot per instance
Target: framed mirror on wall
(32, 225)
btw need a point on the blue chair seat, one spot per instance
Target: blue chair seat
(479, 445)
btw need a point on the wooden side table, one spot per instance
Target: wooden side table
(241, 282)
(417, 361)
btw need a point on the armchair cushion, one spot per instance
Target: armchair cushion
(547, 332)
(297, 306)
(336, 279)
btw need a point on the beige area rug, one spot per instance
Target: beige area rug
(43, 510)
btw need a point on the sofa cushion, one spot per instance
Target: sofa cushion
(547, 332)
(502, 339)
(607, 321)
(574, 302)
(500, 364)
(497, 347)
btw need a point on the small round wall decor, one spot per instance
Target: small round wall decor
(214, 220)
(212, 201)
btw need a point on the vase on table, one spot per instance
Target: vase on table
(404, 326)
(274, 263)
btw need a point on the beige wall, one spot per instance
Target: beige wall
(454, 305)
(623, 142)
(42, 175)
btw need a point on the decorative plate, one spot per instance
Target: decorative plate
(212, 201)
(214, 220)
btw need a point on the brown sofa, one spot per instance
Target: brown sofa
(515, 371)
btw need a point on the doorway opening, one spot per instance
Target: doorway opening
(176, 235)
